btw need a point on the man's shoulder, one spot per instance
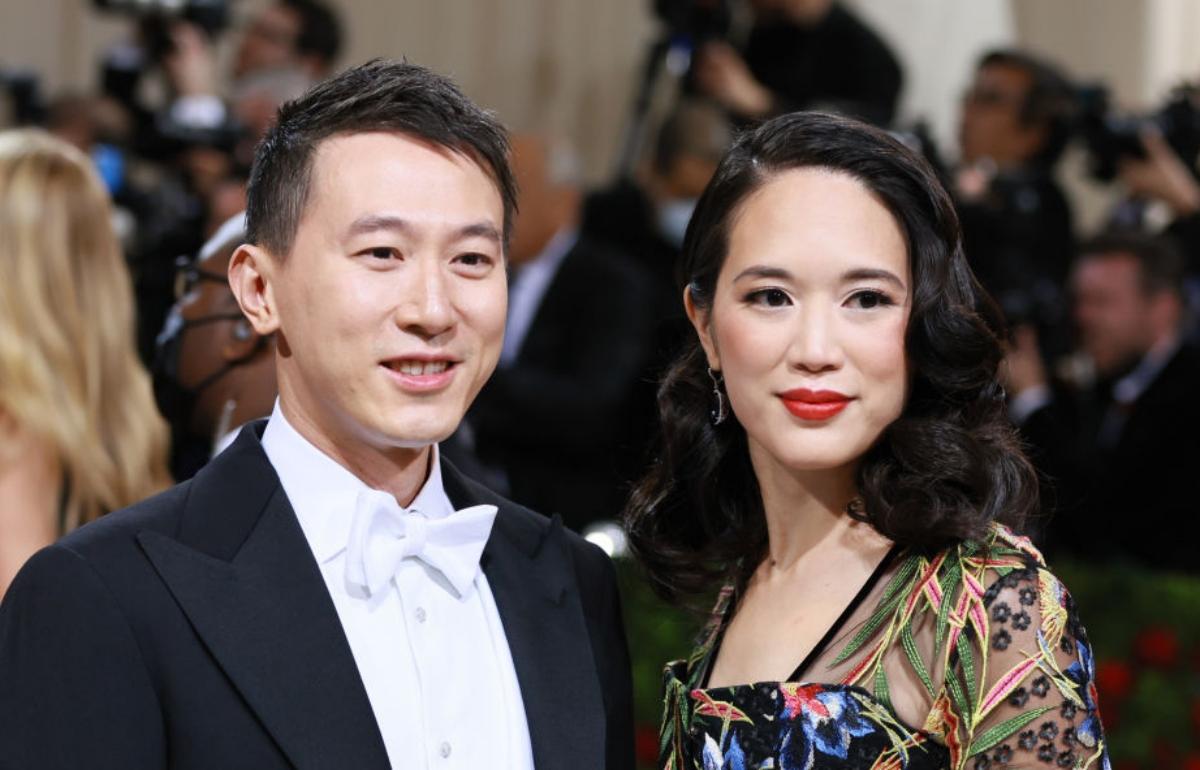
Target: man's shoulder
(115, 532)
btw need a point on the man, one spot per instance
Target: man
(312, 598)
(555, 419)
(213, 372)
(1123, 452)
(300, 37)
(1017, 232)
(802, 55)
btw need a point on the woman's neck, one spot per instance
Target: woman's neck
(806, 511)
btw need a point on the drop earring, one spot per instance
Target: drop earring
(720, 411)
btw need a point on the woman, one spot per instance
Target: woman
(835, 453)
(79, 432)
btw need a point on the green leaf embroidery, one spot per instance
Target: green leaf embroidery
(966, 656)
(914, 656)
(872, 625)
(1006, 728)
(881, 688)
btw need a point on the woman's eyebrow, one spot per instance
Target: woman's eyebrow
(763, 271)
(871, 273)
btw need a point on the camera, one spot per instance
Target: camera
(695, 21)
(1111, 136)
(154, 18)
(22, 92)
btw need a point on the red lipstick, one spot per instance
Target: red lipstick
(814, 405)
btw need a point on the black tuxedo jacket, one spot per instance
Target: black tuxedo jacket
(194, 630)
(558, 419)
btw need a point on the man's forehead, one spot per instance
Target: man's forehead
(343, 166)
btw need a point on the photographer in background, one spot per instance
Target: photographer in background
(1016, 120)
(1121, 451)
(802, 55)
(297, 36)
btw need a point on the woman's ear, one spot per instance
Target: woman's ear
(252, 276)
(701, 319)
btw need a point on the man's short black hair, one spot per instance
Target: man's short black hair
(1050, 100)
(1161, 266)
(320, 29)
(381, 95)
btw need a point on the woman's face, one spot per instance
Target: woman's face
(808, 319)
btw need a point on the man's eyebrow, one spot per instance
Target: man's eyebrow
(371, 223)
(873, 273)
(480, 230)
(763, 271)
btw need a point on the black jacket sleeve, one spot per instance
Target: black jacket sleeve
(74, 689)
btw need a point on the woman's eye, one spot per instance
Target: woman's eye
(867, 300)
(769, 297)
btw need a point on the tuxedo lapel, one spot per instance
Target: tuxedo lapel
(532, 578)
(242, 572)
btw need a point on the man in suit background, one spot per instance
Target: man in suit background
(328, 593)
(1121, 452)
(555, 418)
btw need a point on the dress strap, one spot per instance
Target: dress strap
(858, 599)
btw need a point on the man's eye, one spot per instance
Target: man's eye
(474, 259)
(381, 252)
(769, 297)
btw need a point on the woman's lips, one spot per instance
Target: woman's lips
(814, 405)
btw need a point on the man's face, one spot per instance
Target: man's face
(1112, 312)
(991, 125)
(269, 41)
(391, 304)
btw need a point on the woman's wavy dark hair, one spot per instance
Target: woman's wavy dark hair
(941, 473)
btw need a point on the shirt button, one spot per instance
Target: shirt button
(420, 613)
(445, 749)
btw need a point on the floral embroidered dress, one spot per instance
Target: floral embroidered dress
(972, 659)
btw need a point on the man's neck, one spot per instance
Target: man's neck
(399, 471)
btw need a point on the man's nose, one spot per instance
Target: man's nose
(426, 309)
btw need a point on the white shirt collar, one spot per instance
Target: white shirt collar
(323, 492)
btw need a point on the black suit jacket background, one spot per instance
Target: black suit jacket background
(559, 420)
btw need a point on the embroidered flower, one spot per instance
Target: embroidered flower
(1019, 697)
(1001, 612)
(1021, 620)
(1041, 686)
(1028, 596)
(1027, 740)
(1001, 639)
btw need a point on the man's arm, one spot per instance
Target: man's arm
(598, 581)
(74, 689)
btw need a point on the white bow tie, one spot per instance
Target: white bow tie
(384, 534)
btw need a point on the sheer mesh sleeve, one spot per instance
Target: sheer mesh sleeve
(1024, 687)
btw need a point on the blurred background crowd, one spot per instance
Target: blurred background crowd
(1068, 133)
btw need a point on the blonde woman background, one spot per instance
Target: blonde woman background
(79, 431)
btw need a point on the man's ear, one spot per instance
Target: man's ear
(252, 274)
(702, 322)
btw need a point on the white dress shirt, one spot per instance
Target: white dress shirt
(436, 667)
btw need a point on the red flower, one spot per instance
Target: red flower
(645, 743)
(1157, 646)
(1113, 680)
